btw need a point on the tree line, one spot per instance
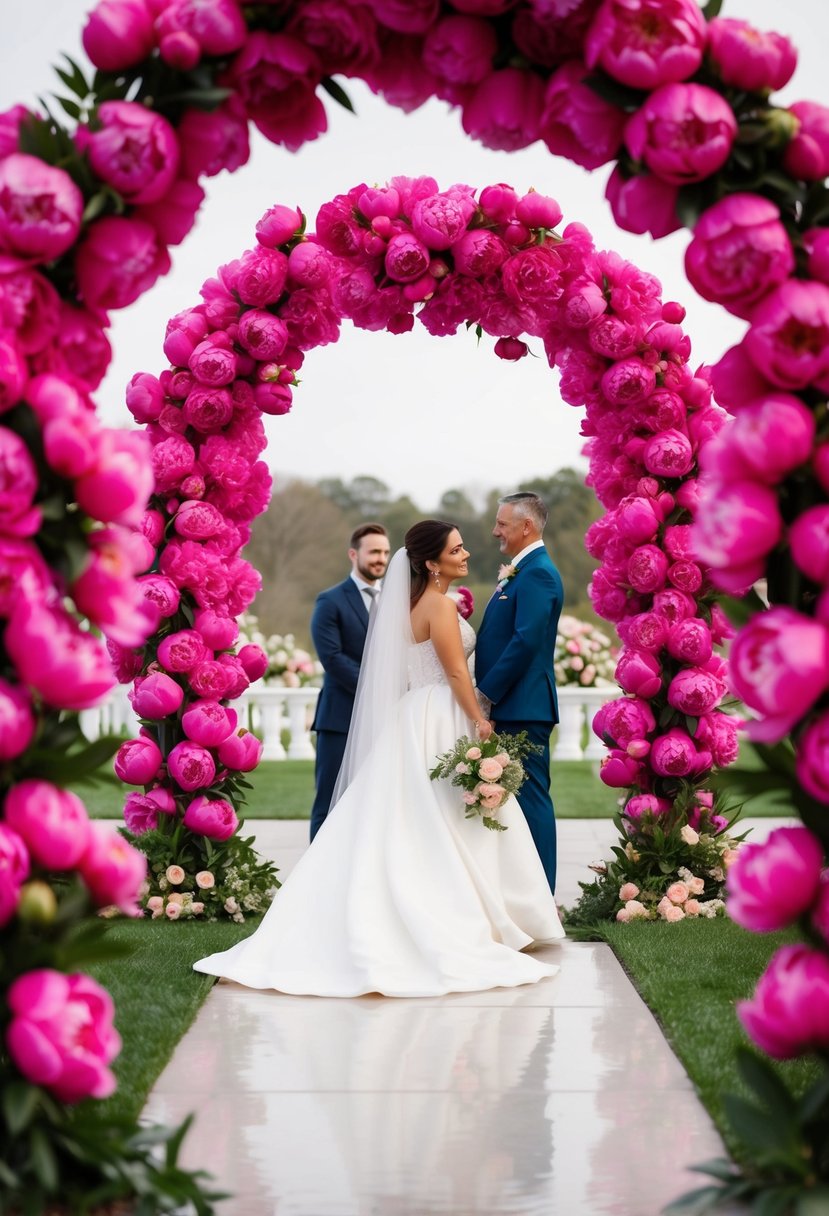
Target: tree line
(300, 543)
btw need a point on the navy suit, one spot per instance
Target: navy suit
(338, 627)
(514, 668)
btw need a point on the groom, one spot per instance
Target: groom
(338, 626)
(514, 656)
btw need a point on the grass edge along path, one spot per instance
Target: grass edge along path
(690, 975)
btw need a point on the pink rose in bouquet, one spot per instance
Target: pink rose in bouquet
(52, 822)
(215, 818)
(645, 44)
(789, 1012)
(112, 869)
(504, 111)
(241, 751)
(683, 132)
(779, 666)
(61, 1034)
(191, 766)
(117, 261)
(276, 77)
(137, 761)
(749, 59)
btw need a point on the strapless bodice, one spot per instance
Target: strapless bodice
(425, 666)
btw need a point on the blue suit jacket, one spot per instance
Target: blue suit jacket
(338, 626)
(516, 643)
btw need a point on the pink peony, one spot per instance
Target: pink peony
(208, 722)
(137, 761)
(118, 34)
(191, 766)
(241, 751)
(275, 77)
(646, 43)
(14, 870)
(438, 221)
(736, 526)
(620, 770)
(645, 807)
(254, 660)
(504, 111)
(643, 203)
(112, 869)
(219, 632)
(809, 540)
(788, 340)
(639, 672)
(772, 884)
(739, 252)
(693, 691)
(647, 568)
(18, 486)
(683, 132)
(213, 140)
(690, 641)
(215, 819)
(68, 667)
(813, 758)
(156, 696)
(807, 154)
(40, 209)
(576, 122)
(674, 755)
(460, 49)
(141, 811)
(61, 1034)
(52, 822)
(117, 261)
(779, 666)
(624, 720)
(132, 149)
(748, 59)
(789, 1012)
(162, 592)
(216, 28)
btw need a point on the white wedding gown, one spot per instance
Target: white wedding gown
(400, 894)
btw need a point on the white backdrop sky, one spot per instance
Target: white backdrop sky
(423, 414)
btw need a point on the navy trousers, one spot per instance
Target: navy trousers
(534, 795)
(330, 750)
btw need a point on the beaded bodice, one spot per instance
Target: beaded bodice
(425, 666)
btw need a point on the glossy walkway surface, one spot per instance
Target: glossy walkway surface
(555, 1099)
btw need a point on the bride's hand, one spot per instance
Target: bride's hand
(483, 729)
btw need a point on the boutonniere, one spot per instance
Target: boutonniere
(505, 573)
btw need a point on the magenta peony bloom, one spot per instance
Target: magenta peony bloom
(156, 696)
(807, 153)
(213, 140)
(162, 592)
(809, 540)
(112, 869)
(241, 751)
(779, 666)
(219, 632)
(407, 258)
(407, 16)
(511, 349)
(107, 592)
(40, 209)
(13, 372)
(668, 454)
(504, 111)
(748, 59)
(215, 819)
(208, 722)
(788, 340)
(813, 758)
(639, 672)
(118, 34)
(257, 277)
(646, 569)
(116, 487)
(628, 382)
(623, 720)
(52, 822)
(739, 252)
(693, 691)
(645, 631)
(343, 35)
(173, 215)
(276, 77)
(66, 666)
(191, 766)
(133, 149)
(309, 265)
(736, 526)
(460, 50)
(789, 1012)
(576, 122)
(14, 870)
(118, 260)
(141, 811)
(533, 276)
(643, 203)
(683, 133)
(440, 220)
(770, 438)
(61, 1034)
(216, 28)
(717, 732)
(674, 754)
(690, 641)
(18, 486)
(138, 760)
(620, 770)
(254, 660)
(645, 807)
(646, 43)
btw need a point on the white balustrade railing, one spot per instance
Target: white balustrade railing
(273, 712)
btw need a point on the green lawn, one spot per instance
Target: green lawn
(285, 790)
(690, 975)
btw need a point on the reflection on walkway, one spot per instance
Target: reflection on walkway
(555, 1098)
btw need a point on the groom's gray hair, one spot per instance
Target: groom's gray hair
(528, 506)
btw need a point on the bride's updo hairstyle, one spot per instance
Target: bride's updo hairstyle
(425, 541)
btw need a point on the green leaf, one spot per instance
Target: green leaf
(719, 1167)
(740, 610)
(205, 99)
(67, 769)
(69, 106)
(96, 205)
(760, 1131)
(759, 1076)
(338, 94)
(777, 1201)
(44, 1161)
(712, 9)
(20, 1101)
(695, 1203)
(814, 1100)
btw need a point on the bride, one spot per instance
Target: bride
(400, 894)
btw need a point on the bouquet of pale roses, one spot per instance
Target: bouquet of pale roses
(488, 772)
(583, 655)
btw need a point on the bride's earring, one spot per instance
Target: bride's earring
(437, 580)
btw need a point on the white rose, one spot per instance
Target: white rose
(689, 835)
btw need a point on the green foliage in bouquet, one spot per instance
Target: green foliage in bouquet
(488, 773)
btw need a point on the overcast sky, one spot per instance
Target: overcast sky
(423, 414)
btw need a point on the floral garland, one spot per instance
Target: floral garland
(602, 81)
